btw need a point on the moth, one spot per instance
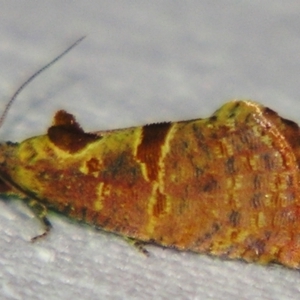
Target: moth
(227, 185)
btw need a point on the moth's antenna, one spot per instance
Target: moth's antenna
(31, 78)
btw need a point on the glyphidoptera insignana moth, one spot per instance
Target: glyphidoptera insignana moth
(227, 185)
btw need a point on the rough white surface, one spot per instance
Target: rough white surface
(142, 61)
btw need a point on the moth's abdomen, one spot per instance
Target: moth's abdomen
(226, 185)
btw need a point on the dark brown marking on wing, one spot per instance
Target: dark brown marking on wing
(93, 165)
(209, 183)
(67, 135)
(290, 180)
(268, 161)
(149, 150)
(229, 165)
(160, 205)
(215, 228)
(257, 182)
(212, 119)
(258, 247)
(234, 218)
(120, 167)
(256, 200)
(201, 141)
(232, 112)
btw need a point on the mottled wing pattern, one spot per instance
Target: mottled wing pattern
(231, 185)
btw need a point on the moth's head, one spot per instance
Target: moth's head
(4, 188)
(6, 157)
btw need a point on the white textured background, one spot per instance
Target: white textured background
(142, 61)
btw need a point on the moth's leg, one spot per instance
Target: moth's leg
(40, 211)
(139, 245)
